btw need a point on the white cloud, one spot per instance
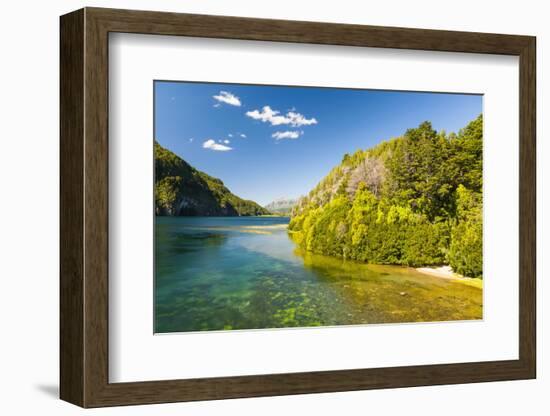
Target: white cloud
(279, 135)
(276, 118)
(212, 145)
(228, 98)
(230, 135)
(226, 141)
(191, 139)
(243, 135)
(297, 119)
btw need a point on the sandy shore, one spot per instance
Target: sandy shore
(445, 272)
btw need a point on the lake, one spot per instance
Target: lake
(221, 273)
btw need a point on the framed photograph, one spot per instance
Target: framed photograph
(257, 207)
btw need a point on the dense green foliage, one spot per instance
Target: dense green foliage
(466, 236)
(413, 200)
(181, 189)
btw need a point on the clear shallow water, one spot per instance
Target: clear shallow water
(246, 273)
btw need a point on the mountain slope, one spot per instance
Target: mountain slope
(281, 205)
(180, 189)
(414, 200)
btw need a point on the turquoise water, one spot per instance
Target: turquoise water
(246, 273)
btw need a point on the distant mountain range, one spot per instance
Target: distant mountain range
(182, 190)
(281, 205)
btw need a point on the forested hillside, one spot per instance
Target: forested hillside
(414, 200)
(181, 189)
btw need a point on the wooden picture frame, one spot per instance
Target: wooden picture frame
(84, 207)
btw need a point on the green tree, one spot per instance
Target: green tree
(466, 249)
(418, 174)
(466, 163)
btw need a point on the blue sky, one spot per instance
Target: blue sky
(267, 142)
